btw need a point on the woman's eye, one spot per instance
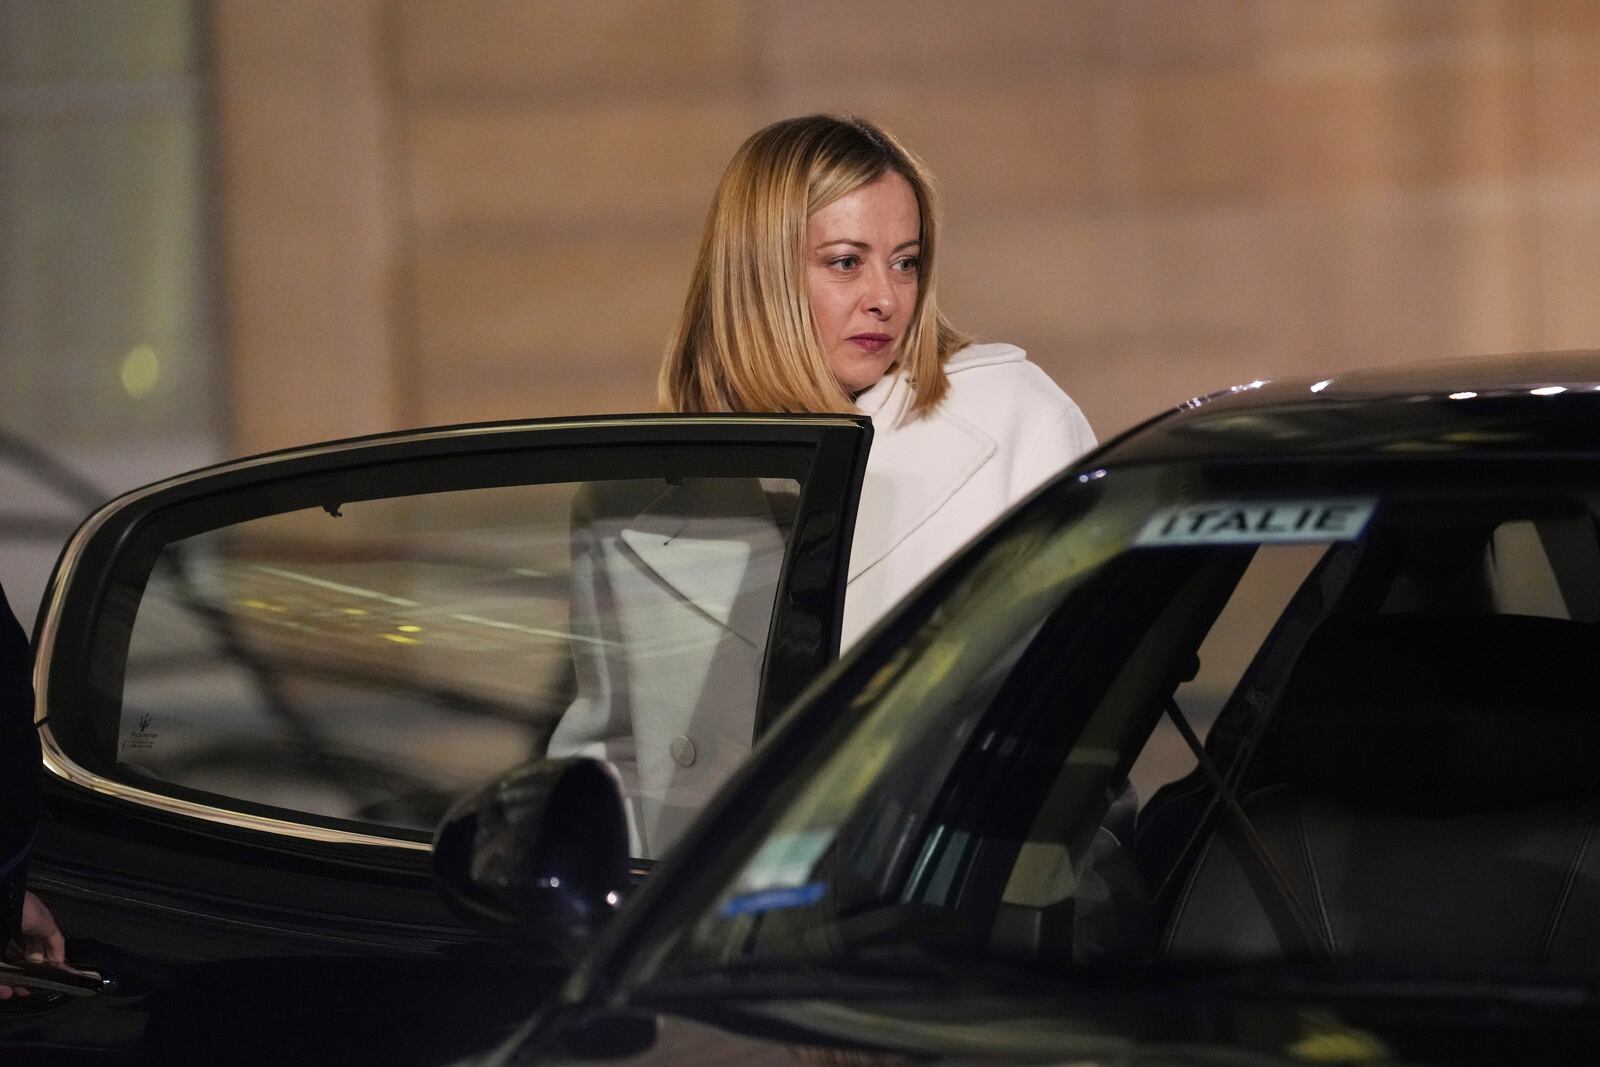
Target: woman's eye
(910, 264)
(847, 262)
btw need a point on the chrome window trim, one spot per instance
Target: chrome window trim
(57, 762)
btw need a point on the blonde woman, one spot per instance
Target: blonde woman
(813, 291)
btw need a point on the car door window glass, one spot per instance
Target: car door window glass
(343, 648)
(369, 661)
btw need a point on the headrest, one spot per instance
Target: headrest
(1437, 714)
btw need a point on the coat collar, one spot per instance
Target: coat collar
(871, 401)
(916, 465)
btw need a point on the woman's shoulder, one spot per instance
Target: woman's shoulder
(990, 354)
(987, 373)
(996, 388)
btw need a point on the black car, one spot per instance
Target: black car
(1266, 733)
(262, 684)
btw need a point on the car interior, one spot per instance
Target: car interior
(1362, 751)
(1356, 762)
(1426, 761)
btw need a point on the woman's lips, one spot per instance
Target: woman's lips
(872, 343)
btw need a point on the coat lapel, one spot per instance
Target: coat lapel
(715, 544)
(916, 467)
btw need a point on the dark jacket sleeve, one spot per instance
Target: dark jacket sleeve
(19, 766)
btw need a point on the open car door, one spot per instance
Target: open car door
(261, 684)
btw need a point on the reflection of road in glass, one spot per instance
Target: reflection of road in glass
(394, 684)
(348, 668)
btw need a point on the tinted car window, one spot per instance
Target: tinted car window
(353, 649)
(1400, 678)
(369, 665)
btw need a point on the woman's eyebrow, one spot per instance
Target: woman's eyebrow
(865, 247)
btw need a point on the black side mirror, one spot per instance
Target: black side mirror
(543, 849)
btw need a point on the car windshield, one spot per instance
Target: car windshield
(1195, 716)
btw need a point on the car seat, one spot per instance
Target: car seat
(1428, 791)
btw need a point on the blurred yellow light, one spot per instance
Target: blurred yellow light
(354, 611)
(399, 639)
(408, 629)
(141, 370)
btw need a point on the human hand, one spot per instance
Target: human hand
(39, 941)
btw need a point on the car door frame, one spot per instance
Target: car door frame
(105, 838)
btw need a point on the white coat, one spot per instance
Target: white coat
(935, 482)
(672, 595)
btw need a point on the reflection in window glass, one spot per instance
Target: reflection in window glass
(370, 661)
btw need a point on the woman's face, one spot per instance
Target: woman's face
(861, 276)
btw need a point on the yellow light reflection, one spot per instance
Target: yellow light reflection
(399, 639)
(141, 371)
(408, 629)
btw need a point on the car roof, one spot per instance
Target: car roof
(1543, 402)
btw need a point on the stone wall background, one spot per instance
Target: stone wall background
(436, 212)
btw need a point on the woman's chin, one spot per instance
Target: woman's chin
(860, 373)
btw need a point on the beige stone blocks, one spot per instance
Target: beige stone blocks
(607, 166)
(1559, 111)
(1562, 272)
(1194, 137)
(309, 245)
(557, 296)
(1296, 32)
(818, 45)
(488, 208)
(1350, 132)
(582, 319)
(527, 51)
(538, 384)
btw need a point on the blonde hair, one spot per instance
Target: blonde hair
(746, 340)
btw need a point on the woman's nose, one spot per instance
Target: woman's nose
(880, 299)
